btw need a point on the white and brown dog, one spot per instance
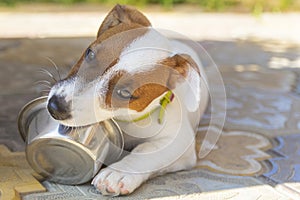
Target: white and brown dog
(130, 73)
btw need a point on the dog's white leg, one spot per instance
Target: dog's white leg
(164, 153)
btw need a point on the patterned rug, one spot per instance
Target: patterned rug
(256, 156)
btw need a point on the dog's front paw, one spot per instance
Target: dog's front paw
(112, 182)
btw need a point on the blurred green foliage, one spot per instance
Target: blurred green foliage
(255, 6)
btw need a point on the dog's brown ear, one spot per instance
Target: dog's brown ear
(180, 65)
(122, 14)
(185, 69)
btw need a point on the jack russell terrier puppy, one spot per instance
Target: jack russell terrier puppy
(153, 86)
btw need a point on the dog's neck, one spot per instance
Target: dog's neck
(138, 116)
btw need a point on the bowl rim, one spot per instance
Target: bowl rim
(73, 146)
(20, 118)
(43, 99)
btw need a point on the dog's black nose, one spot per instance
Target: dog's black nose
(58, 108)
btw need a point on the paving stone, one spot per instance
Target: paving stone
(9, 44)
(256, 77)
(235, 152)
(16, 182)
(256, 100)
(8, 130)
(297, 86)
(12, 159)
(270, 113)
(63, 51)
(237, 53)
(180, 183)
(16, 177)
(260, 111)
(13, 104)
(234, 53)
(13, 144)
(10, 136)
(246, 78)
(20, 64)
(25, 81)
(216, 109)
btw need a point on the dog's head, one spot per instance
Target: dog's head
(124, 72)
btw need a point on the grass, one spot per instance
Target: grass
(254, 6)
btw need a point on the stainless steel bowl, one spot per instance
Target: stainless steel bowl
(64, 154)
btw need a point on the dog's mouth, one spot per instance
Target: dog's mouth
(64, 130)
(85, 113)
(71, 123)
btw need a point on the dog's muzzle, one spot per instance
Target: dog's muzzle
(58, 108)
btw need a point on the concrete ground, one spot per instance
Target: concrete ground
(257, 155)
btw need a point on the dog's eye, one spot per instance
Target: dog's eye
(125, 94)
(89, 55)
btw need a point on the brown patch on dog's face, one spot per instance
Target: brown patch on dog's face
(107, 50)
(112, 39)
(147, 86)
(143, 86)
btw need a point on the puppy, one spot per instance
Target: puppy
(153, 86)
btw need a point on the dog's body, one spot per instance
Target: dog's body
(126, 74)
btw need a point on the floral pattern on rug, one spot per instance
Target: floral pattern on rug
(236, 152)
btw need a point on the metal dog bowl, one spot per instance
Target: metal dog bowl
(64, 154)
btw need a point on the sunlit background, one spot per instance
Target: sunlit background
(254, 6)
(197, 19)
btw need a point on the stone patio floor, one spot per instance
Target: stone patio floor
(256, 157)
